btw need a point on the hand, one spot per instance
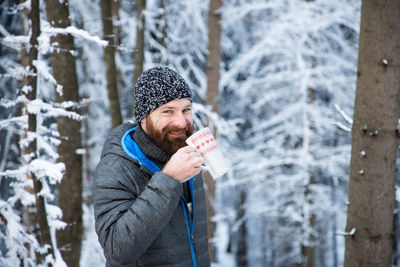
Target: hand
(184, 164)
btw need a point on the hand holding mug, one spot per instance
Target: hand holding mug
(184, 164)
(205, 144)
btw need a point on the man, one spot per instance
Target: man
(149, 208)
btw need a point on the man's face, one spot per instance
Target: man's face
(170, 124)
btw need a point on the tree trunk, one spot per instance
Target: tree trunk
(308, 248)
(139, 48)
(37, 220)
(109, 58)
(375, 137)
(28, 214)
(241, 255)
(214, 54)
(70, 188)
(334, 250)
(116, 5)
(87, 146)
(212, 72)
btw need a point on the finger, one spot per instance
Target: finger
(196, 171)
(198, 162)
(187, 149)
(194, 154)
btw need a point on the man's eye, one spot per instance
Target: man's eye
(167, 111)
(187, 109)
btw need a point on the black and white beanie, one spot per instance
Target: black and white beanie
(158, 86)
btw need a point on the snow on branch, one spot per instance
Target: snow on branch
(346, 118)
(15, 39)
(42, 69)
(350, 233)
(75, 32)
(54, 214)
(9, 103)
(16, 237)
(43, 168)
(46, 140)
(37, 106)
(213, 119)
(343, 127)
(40, 168)
(5, 124)
(344, 115)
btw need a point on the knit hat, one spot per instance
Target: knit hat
(158, 86)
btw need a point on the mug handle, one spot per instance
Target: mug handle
(205, 168)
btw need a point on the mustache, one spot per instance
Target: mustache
(172, 129)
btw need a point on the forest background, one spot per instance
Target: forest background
(275, 80)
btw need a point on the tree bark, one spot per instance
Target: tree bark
(375, 138)
(38, 220)
(241, 255)
(139, 48)
(116, 5)
(70, 189)
(109, 58)
(308, 248)
(214, 54)
(212, 72)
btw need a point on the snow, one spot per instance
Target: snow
(75, 32)
(92, 253)
(43, 70)
(350, 233)
(37, 106)
(43, 168)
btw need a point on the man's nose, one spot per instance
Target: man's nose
(179, 121)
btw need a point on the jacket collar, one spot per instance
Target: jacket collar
(155, 153)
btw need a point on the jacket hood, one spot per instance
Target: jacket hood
(112, 145)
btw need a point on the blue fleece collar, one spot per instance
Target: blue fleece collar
(132, 149)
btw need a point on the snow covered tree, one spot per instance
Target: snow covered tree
(38, 219)
(375, 137)
(212, 100)
(37, 169)
(70, 188)
(277, 63)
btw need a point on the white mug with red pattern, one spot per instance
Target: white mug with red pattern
(204, 143)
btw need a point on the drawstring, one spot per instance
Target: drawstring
(190, 229)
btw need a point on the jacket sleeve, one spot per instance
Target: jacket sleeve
(128, 218)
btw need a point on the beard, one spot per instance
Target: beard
(166, 142)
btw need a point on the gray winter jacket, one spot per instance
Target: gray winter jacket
(140, 219)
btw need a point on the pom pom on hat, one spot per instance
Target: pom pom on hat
(156, 87)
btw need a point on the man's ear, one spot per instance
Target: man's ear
(143, 123)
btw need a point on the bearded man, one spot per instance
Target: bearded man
(148, 193)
